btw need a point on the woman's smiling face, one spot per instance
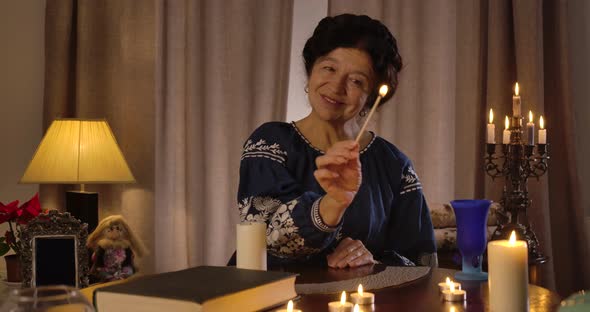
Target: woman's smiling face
(340, 83)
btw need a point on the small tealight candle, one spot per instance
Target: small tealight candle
(289, 308)
(361, 297)
(447, 285)
(453, 294)
(340, 306)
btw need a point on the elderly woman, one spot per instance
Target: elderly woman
(324, 197)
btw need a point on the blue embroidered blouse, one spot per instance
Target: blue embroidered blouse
(389, 213)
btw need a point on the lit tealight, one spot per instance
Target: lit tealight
(289, 308)
(340, 306)
(361, 297)
(453, 294)
(447, 285)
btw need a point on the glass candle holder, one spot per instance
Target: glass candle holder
(472, 217)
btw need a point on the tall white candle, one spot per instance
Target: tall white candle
(516, 101)
(491, 139)
(530, 129)
(506, 132)
(508, 275)
(542, 131)
(251, 246)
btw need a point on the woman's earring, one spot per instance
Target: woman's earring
(306, 89)
(363, 112)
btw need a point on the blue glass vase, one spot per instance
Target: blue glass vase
(472, 218)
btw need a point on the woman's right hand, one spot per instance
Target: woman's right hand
(339, 174)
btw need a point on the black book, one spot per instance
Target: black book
(204, 288)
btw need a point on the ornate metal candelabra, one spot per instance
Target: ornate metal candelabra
(517, 162)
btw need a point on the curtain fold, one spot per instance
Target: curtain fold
(182, 84)
(100, 64)
(222, 71)
(461, 58)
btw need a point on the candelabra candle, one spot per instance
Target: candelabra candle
(491, 129)
(516, 101)
(542, 132)
(506, 132)
(530, 129)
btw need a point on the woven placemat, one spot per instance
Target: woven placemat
(391, 276)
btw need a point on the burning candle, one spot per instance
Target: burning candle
(447, 285)
(356, 308)
(491, 129)
(506, 132)
(508, 274)
(530, 129)
(289, 308)
(542, 132)
(340, 306)
(453, 294)
(361, 297)
(516, 102)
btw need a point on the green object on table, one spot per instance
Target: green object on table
(577, 302)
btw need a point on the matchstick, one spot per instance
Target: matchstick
(382, 92)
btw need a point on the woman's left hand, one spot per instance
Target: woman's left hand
(350, 253)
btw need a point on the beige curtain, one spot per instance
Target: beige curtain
(100, 64)
(223, 69)
(462, 58)
(182, 84)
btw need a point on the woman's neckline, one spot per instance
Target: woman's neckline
(373, 137)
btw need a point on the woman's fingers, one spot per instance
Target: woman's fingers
(327, 160)
(350, 253)
(325, 175)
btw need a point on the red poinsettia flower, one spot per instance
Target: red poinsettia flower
(9, 212)
(17, 216)
(29, 210)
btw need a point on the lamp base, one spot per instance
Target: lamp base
(84, 206)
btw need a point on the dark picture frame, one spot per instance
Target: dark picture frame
(54, 251)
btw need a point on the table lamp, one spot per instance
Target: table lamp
(79, 151)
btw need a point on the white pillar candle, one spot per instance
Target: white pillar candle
(516, 102)
(251, 246)
(340, 306)
(508, 277)
(506, 132)
(530, 129)
(362, 297)
(542, 131)
(491, 139)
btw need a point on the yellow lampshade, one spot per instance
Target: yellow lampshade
(78, 151)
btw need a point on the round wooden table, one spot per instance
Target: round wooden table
(419, 295)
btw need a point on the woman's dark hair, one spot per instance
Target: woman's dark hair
(360, 32)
